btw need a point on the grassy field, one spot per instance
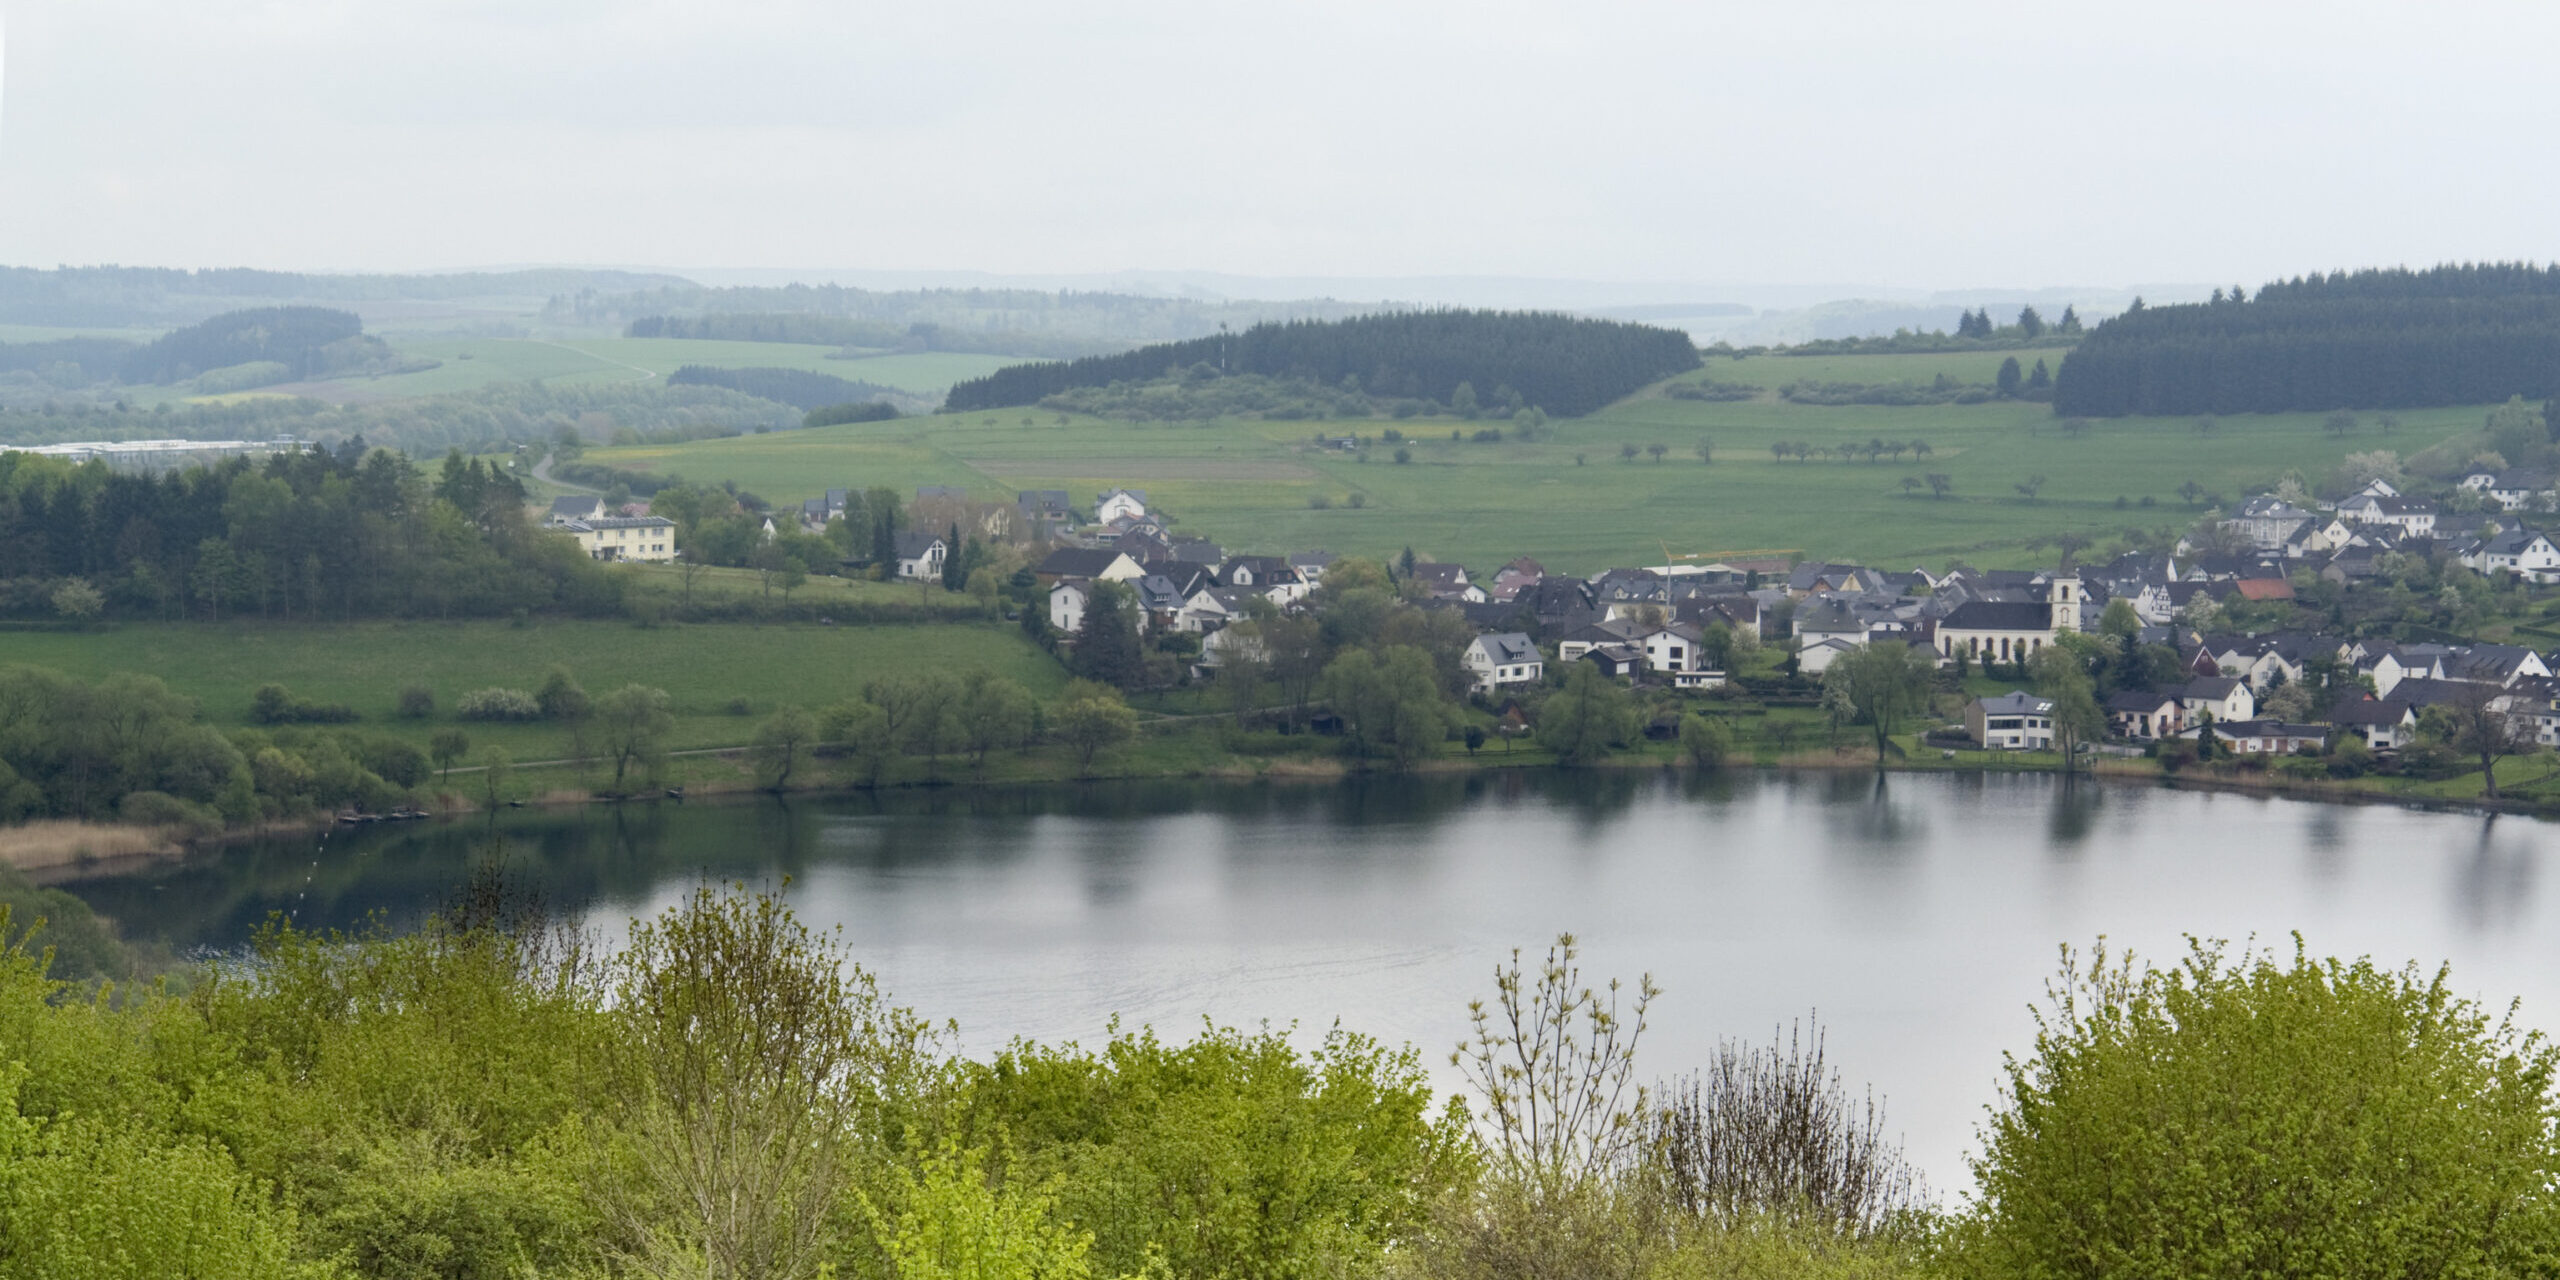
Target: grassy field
(471, 363)
(1568, 499)
(365, 665)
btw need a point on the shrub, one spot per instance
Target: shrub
(2234, 1115)
(274, 704)
(160, 809)
(737, 707)
(1319, 502)
(560, 697)
(417, 702)
(498, 704)
(1358, 500)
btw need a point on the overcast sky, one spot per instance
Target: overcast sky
(1930, 145)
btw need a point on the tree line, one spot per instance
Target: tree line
(1564, 365)
(346, 533)
(2374, 339)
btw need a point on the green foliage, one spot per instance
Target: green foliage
(498, 704)
(1880, 686)
(798, 388)
(781, 742)
(1561, 364)
(1706, 740)
(2396, 338)
(632, 726)
(951, 1223)
(1091, 718)
(1390, 701)
(417, 702)
(1582, 722)
(274, 704)
(2234, 1115)
(1233, 1154)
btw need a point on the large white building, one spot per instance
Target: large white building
(650, 538)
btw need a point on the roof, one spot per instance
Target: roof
(1447, 575)
(1509, 646)
(2370, 711)
(2017, 702)
(1107, 494)
(1042, 499)
(2265, 589)
(623, 522)
(573, 506)
(2138, 702)
(1078, 562)
(2210, 688)
(913, 545)
(1998, 615)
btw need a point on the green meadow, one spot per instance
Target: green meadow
(1570, 499)
(471, 363)
(365, 665)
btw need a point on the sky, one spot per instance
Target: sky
(1933, 146)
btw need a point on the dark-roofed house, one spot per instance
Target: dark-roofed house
(1503, 658)
(2222, 697)
(2523, 552)
(2384, 726)
(1447, 581)
(1089, 562)
(2264, 737)
(920, 556)
(576, 506)
(1039, 505)
(1515, 577)
(1615, 659)
(2018, 721)
(1995, 630)
(2498, 664)
(2143, 716)
(1120, 504)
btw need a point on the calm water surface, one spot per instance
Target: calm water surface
(1919, 914)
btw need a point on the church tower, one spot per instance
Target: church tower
(2063, 593)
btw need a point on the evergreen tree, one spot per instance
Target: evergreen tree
(2040, 377)
(2008, 379)
(1106, 648)
(2030, 323)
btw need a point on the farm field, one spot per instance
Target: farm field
(365, 665)
(1569, 499)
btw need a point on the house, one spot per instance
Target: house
(1089, 562)
(920, 556)
(1513, 577)
(1120, 504)
(2522, 552)
(1672, 648)
(2417, 515)
(1597, 635)
(2221, 697)
(1615, 659)
(1504, 658)
(1817, 656)
(2383, 726)
(2017, 721)
(1255, 571)
(648, 538)
(2264, 737)
(1209, 608)
(1199, 551)
(1217, 647)
(1447, 582)
(1808, 579)
(1067, 600)
(1040, 507)
(575, 507)
(2512, 490)
(2266, 520)
(2142, 717)
(1311, 564)
(2499, 664)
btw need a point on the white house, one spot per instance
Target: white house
(2522, 552)
(2226, 699)
(2417, 515)
(2511, 490)
(1120, 504)
(2010, 631)
(1066, 604)
(1504, 658)
(2266, 520)
(1817, 657)
(2011, 722)
(651, 538)
(920, 556)
(575, 507)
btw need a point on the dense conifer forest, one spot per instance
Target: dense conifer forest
(2374, 339)
(344, 534)
(1561, 364)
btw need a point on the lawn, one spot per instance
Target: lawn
(1569, 500)
(365, 665)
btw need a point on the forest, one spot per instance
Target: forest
(1064, 324)
(795, 387)
(1560, 364)
(2372, 339)
(349, 533)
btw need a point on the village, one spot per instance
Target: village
(2284, 628)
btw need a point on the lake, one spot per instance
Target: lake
(1918, 913)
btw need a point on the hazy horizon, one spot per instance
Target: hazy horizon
(1970, 146)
